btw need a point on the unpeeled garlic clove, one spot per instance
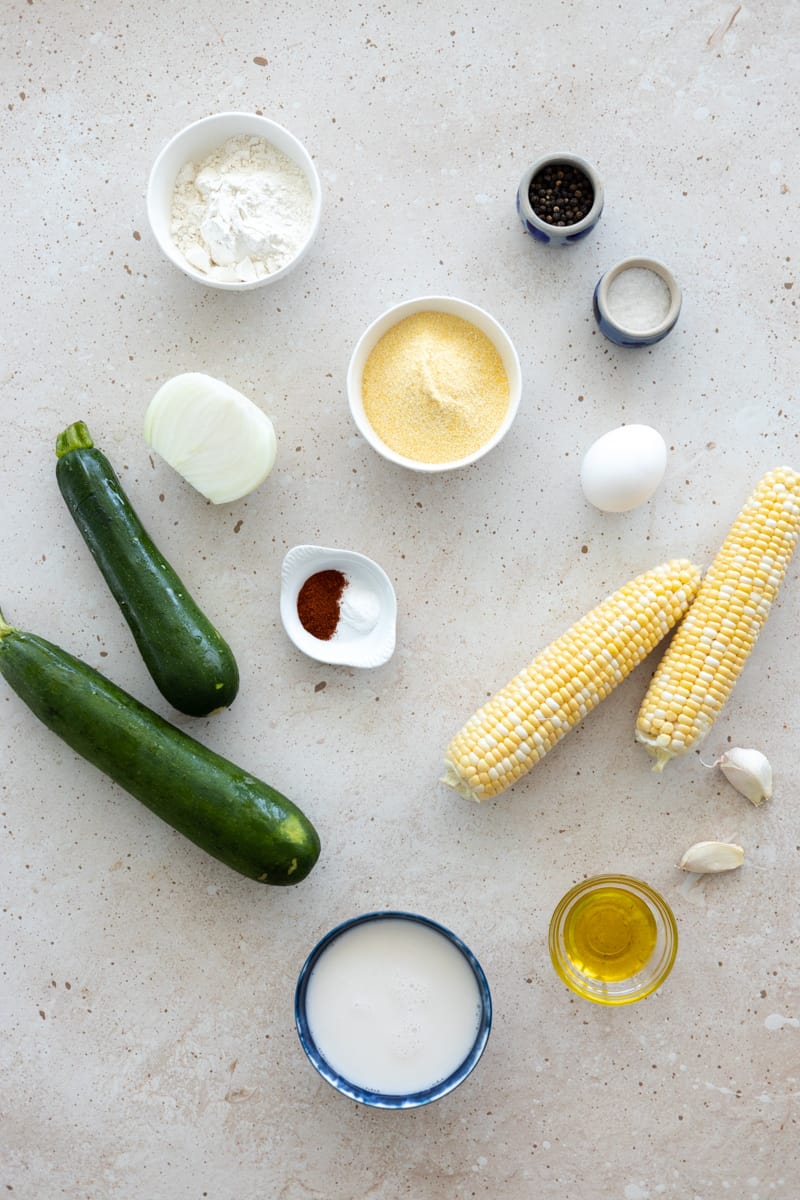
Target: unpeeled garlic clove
(749, 772)
(712, 857)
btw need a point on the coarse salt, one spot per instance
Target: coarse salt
(360, 609)
(638, 299)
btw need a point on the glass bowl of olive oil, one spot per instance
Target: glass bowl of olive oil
(613, 939)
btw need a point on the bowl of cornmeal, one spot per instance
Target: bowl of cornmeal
(434, 383)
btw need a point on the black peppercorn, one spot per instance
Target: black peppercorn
(561, 194)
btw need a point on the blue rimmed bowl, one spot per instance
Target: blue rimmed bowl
(385, 1099)
(619, 326)
(543, 231)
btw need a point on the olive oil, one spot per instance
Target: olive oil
(610, 934)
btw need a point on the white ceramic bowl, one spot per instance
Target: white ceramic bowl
(459, 308)
(365, 635)
(195, 142)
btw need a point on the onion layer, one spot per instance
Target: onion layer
(220, 442)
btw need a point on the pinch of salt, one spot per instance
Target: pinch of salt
(360, 608)
(638, 299)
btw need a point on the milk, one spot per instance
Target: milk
(393, 1006)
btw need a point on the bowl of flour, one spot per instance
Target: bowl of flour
(234, 201)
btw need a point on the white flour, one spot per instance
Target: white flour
(242, 213)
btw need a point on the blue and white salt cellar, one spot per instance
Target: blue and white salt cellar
(637, 302)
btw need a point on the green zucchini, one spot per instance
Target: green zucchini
(191, 664)
(220, 807)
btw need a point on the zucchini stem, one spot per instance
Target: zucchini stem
(5, 628)
(74, 437)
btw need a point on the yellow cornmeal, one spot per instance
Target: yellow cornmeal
(434, 388)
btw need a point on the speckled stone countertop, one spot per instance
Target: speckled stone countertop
(148, 1047)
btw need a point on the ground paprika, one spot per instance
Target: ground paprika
(318, 603)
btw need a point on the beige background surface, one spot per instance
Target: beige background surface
(148, 1046)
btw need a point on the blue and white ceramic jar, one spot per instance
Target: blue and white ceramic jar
(637, 302)
(544, 228)
(392, 1009)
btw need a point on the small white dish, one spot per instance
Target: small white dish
(194, 143)
(365, 634)
(459, 308)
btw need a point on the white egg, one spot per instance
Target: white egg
(623, 468)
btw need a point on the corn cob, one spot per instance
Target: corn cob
(709, 650)
(509, 735)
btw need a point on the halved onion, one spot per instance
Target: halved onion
(220, 442)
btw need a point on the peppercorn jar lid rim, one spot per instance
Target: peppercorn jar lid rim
(659, 268)
(365, 632)
(472, 313)
(558, 158)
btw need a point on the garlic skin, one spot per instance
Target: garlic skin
(749, 772)
(710, 858)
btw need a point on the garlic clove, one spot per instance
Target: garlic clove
(749, 772)
(712, 857)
